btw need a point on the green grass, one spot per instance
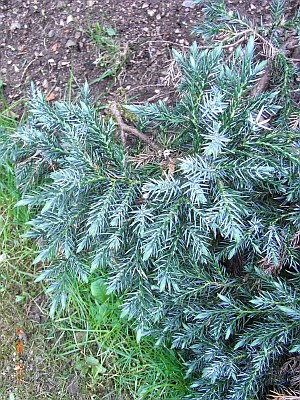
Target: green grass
(91, 347)
(46, 376)
(134, 370)
(112, 53)
(22, 302)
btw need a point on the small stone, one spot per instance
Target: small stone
(151, 13)
(3, 71)
(77, 35)
(188, 4)
(70, 43)
(177, 31)
(69, 19)
(45, 84)
(73, 388)
(252, 7)
(15, 25)
(145, 5)
(51, 61)
(51, 33)
(158, 17)
(91, 3)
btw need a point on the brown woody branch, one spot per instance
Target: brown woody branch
(262, 83)
(127, 129)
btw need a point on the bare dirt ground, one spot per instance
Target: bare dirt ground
(47, 42)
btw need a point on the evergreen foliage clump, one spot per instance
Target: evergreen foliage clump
(203, 241)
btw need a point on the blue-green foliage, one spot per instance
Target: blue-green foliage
(207, 256)
(71, 170)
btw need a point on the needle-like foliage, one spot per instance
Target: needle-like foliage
(204, 244)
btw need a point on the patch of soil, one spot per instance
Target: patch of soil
(48, 42)
(45, 42)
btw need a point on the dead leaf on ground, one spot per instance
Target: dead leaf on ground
(51, 97)
(171, 166)
(55, 47)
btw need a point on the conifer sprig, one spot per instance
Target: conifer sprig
(205, 255)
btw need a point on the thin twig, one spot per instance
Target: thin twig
(225, 46)
(143, 87)
(26, 68)
(255, 33)
(124, 128)
(267, 42)
(162, 41)
(155, 97)
(288, 396)
(203, 47)
(35, 155)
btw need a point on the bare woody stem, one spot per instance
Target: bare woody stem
(127, 129)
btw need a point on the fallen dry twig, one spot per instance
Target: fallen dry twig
(283, 396)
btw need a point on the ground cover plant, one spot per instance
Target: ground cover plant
(46, 374)
(89, 354)
(85, 355)
(197, 227)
